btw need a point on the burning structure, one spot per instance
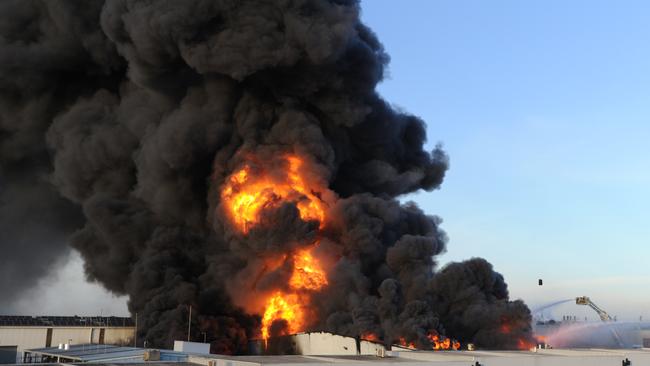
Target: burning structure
(233, 156)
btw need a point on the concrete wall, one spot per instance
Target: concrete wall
(315, 344)
(192, 347)
(80, 335)
(36, 337)
(371, 348)
(25, 337)
(324, 344)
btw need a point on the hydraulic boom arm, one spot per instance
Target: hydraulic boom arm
(584, 300)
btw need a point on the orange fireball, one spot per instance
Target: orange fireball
(246, 194)
(307, 272)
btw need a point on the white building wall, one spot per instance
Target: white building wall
(24, 338)
(118, 335)
(371, 348)
(192, 347)
(325, 344)
(76, 335)
(36, 337)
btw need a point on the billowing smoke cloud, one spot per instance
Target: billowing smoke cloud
(122, 120)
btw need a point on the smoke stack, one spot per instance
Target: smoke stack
(235, 157)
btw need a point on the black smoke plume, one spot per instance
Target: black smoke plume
(120, 121)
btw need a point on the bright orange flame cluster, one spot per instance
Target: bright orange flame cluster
(307, 272)
(369, 336)
(438, 343)
(246, 194)
(442, 343)
(307, 275)
(283, 306)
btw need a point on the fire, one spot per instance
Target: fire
(246, 194)
(403, 343)
(369, 336)
(442, 343)
(455, 345)
(253, 188)
(286, 307)
(523, 344)
(307, 272)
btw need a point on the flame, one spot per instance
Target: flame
(369, 336)
(442, 343)
(250, 190)
(506, 328)
(455, 345)
(283, 306)
(246, 194)
(307, 272)
(523, 344)
(403, 343)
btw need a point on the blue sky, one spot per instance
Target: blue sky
(543, 107)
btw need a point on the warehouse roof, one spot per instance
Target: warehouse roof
(101, 354)
(98, 353)
(65, 321)
(544, 357)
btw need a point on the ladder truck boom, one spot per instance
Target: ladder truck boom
(585, 300)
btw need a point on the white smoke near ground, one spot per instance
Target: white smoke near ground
(594, 335)
(65, 292)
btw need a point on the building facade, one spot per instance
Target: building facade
(18, 333)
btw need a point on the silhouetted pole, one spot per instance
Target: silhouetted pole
(189, 324)
(135, 333)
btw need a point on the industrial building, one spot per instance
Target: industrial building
(325, 349)
(545, 357)
(19, 333)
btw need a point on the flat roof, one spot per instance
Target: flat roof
(587, 357)
(106, 354)
(90, 352)
(98, 353)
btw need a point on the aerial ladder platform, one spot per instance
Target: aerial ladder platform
(585, 300)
